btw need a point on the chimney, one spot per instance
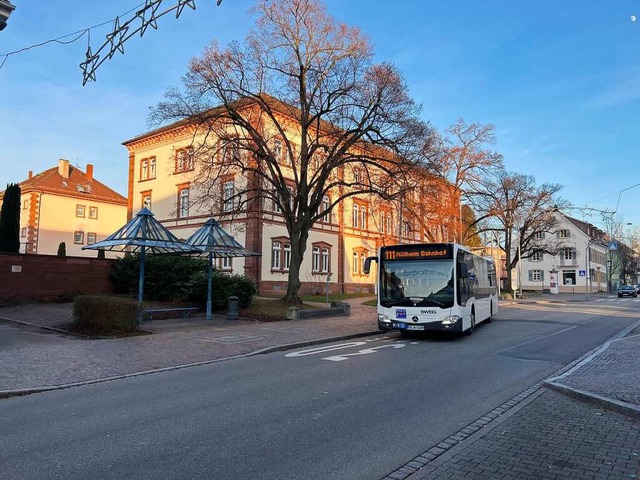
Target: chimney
(63, 168)
(89, 172)
(30, 174)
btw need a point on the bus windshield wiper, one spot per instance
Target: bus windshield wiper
(424, 301)
(403, 302)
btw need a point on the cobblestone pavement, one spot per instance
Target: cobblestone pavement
(539, 434)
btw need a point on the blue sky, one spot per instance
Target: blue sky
(560, 80)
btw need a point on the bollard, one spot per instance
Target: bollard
(293, 313)
(232, 308)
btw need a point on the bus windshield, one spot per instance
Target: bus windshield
(417, 283)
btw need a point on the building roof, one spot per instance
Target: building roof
(77, 185)
(588, 229)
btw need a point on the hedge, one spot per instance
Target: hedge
(105, 314)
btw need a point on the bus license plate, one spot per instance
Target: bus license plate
(415, 327)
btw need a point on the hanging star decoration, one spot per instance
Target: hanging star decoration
(184, 3)
(89, 66)
(148, 15)
(120, 32)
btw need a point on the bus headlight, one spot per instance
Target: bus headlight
(451, 320)
(383, 318)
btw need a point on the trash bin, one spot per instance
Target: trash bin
(232, 308)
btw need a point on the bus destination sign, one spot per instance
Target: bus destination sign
(415, 252)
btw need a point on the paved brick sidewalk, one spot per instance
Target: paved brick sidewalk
(553, 437)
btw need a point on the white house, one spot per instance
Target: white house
(580, 264)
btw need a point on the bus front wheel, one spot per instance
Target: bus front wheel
(469, 331)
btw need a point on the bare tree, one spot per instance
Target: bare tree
(301, 111)
(464, 159)
(521, 212)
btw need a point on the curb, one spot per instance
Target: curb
(53, 329)
(555, 383)
(28, 391)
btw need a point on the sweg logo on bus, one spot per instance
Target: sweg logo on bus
(428, 312)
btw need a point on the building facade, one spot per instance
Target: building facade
(65, 204)
(165, 177)
(580, 265)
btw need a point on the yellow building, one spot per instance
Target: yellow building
(165, 176)
(65, 204)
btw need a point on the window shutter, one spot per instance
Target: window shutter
(530, 275)
(542, 275)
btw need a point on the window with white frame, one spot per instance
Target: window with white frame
(80, 209)
(389, 225)
(363, 218)
(23, 232)
(276, 252)
(359, 257)
(564, 233)
(326, 260)
(145, 199)
(569, 253)
(277, 150)
(78, 237)
(356, 263)
(144, 169)
(326, 217)
(227, 196)
(536, 275)
(25, 204)
(184, 160)
(287, 256)
(152, 167)
(93, 213)
(538, 236)
(355, 218)
(536, 256)
(183, 202)
(226, 263)
(315, 259)
(91, 238)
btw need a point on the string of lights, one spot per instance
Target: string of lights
(146, 15)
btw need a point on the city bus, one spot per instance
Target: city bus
(434, 286)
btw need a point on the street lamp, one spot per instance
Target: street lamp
(5, 11)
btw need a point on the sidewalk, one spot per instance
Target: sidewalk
(592, 431)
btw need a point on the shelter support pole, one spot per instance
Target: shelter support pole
(209, 284)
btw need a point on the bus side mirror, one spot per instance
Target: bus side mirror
(367, 264)
(463, 270)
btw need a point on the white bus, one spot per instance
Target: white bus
(435, 286)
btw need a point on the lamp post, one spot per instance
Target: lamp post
(5, 11)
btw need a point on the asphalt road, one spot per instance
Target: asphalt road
(351, 410)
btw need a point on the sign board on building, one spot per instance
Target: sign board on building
(582, 273)
(16, 268)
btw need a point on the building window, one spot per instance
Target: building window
(93, 212)
(536, 275)
(145, 200)
(538, 236)
(148, 168)
(363, 218)
(564, 233)
(389, 225)
(184, 160)
(23, 232)
(536, 256)
(287, 256)
(91, 238)
(326, 260)
(183, 203)
(78, 237)
(25, 205)
(356, 263)
(355, 217)
(277, 150)
(226, 263)
(324, 208)
(569, 253)
(80, 211)
(276, 251)
(227, 196)
(315, 264)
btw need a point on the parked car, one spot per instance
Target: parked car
(628, 290)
